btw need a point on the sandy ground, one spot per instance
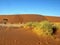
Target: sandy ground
(20, 36)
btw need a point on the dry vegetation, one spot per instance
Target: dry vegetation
(43, 27)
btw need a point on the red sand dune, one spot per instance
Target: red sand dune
(20, 36)
(53, 19)
(23, 18)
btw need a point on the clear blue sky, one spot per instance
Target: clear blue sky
(45, 7)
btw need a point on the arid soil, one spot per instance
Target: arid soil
(21, 36)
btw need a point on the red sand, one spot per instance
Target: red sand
(20, 36)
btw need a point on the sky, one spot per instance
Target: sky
(44, 7)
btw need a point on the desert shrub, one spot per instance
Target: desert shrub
(44, 28)
(41, 28)
(30, 24)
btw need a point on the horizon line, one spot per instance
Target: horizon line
(29, 14)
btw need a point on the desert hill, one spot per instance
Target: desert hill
(52, 18)
(23, 18)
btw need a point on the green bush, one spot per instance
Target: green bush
(44, 28)
(41, 28)
(31, 24)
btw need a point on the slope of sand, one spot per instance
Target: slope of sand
(53, 19)
(17, 36)
(23, 18)
(21, 36)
